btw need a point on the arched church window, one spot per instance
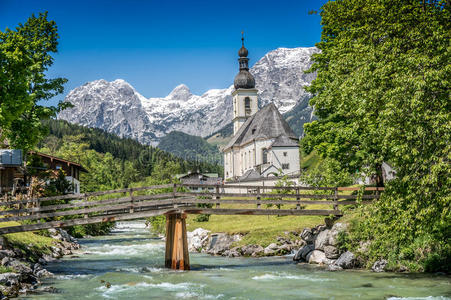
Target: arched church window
(247, 105)
(265, 156)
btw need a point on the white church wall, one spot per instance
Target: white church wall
(286, 159)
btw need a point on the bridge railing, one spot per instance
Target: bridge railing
(140, 202)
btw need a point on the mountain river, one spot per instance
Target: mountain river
(128, 264)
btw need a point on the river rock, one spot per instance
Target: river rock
(16, 265)
(379, 265)
(331, 252)
(197, 239)
(252, 250)
(285, 249)
(334, 267)
(334, 231)
(303, 252)
(322, 240)
(271, 249)
(234, 252)
(220, 242)
(346, 261)
(7, 253)
(316, 230)
(316, 257)
(307, 236)
(9, 279)
(40, 272)
(57, 252)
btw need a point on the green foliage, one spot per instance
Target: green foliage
(327, 173)
(143, 158)
(190, 147)
(282, 182)
(25, 57)
(157, 224)
(80, 231)
(382, 95)
(58, 185)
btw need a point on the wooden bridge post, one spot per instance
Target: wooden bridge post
(217, 196)
(177, 255)
(132, 200)
(336, 199)
(258, 197)
(298, 199)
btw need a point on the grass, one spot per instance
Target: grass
(29, 242)
(260, 230)
(4, 269)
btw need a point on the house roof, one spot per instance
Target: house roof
(250, 174)
(60, 160)
(212, 175)
(265, 124)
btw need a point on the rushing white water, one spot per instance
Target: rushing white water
(128, 264)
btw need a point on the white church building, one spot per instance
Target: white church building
(263, 144)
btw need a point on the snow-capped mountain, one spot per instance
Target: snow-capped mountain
(117, 107)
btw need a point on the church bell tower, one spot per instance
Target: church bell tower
(245, 100)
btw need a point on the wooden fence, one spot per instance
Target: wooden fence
(142, 202)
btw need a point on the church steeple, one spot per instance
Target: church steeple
(245, 100)
(244, 79)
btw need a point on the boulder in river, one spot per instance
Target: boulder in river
(252, 250)
(197, 239)
(271, 249)
(331, 252)
(318, 257)
(322, 240)
(220, 242)
(303, 252)
(307, 236)
(379, 265)
(334, 232)
(347, 260)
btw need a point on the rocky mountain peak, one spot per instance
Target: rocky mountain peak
(117, 107)
(180, 92)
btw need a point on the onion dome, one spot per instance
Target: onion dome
(244, 79)
(242, 52)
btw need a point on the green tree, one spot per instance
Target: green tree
(25, 57)
(382, 94)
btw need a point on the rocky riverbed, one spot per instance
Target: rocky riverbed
(25, 268)
(318, 245)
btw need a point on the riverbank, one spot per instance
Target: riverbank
(128, 263)
(24, 256)
(321, 245)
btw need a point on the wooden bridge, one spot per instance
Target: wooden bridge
(176, 201)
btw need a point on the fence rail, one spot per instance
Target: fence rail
(136, 203)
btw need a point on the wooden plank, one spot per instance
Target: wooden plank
(149, 204)
(289, 196)
(225, 186)
(83, 221)
(84, 203)
(281, 212)
(369, 188)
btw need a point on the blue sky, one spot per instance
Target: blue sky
(156, 45)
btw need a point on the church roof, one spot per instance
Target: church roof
(284, 141)
(267, 123)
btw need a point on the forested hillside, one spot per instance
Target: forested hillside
(190, 147)
(113, 161)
